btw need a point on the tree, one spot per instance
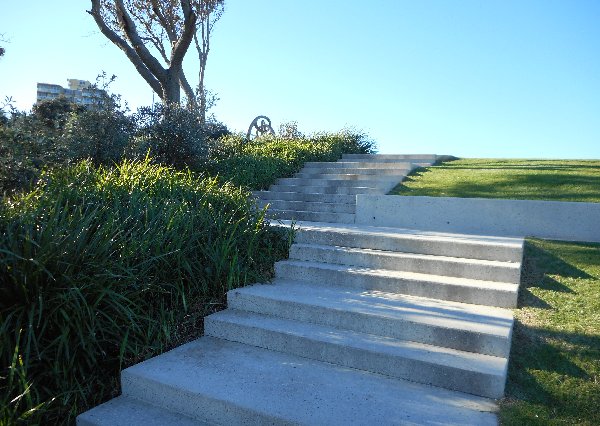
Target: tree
(209, 13)
(168, 27)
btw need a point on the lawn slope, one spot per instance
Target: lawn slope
(557, 180)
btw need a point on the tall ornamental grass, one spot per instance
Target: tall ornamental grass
(104, 267)
(258, 163)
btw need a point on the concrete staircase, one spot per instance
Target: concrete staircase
(361, 325)
(326, 192)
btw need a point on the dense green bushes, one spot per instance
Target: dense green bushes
(59, 133)
(258, 163)
(103, 267)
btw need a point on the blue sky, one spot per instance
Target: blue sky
(487, 78)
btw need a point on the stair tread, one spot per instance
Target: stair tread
(411, 233)
(466, 361)
(407, 255)
(414, 276)
(414, 309)
(123, 411)
(297, 390)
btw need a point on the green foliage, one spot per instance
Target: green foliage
(99, 134)
(58, 133)
(172, 135)
(558, 180)
(554, 370)
(53, 113)
(104, 267)
(258, 163)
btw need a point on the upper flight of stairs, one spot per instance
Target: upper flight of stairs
(326, 192)
(361, 325)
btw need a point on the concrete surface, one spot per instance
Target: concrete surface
(516, 218)
(482, 375)
(487, 270)
(228, 383)
(408, 240)
(489, 293)
(472, 328)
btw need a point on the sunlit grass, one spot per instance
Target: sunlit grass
(557, 180)
(554, 370)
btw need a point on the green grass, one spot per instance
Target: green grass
(557, 180)
(554, 370)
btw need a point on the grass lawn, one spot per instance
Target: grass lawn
(554, 370)
(558, 180)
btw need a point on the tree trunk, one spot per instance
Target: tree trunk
(170, 86)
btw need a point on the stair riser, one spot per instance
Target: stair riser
(314, 172)
(405, 330)
(194, 405)
(337, 183)
(313, 207)
(299, 196)
(446, 267)
(358, 165)
(441, 247)
(362, 280)
(352, 176)
(327, 190)
(311, 216)
(413, 158)
(390, 365)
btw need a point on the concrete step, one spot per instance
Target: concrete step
(310, 172)
(391, 157)
(362, 189)
(300, 196)
(311, 216)
(123, 411)
(373, 182)
(227, 383)
(397, 177)
(488, 270)
(465, 327)
(308, 206)
(376, 165)
(412, 241)
(482, 375)
(464, 290)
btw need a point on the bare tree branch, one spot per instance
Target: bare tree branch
(132, 35)
(122, 44)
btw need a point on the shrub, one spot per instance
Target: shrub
(173, 135)
(258, 163)
(99, 134)
(101, 268)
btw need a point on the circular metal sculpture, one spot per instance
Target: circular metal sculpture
(262, 125)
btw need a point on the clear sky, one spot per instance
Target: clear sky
(485, 78)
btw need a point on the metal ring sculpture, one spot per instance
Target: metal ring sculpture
(262, 128)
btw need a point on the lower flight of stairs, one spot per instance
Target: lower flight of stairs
(326, 192)
(361, 325)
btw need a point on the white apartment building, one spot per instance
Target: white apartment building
(80, 92)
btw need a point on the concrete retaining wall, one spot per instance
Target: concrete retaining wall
(515, 218)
